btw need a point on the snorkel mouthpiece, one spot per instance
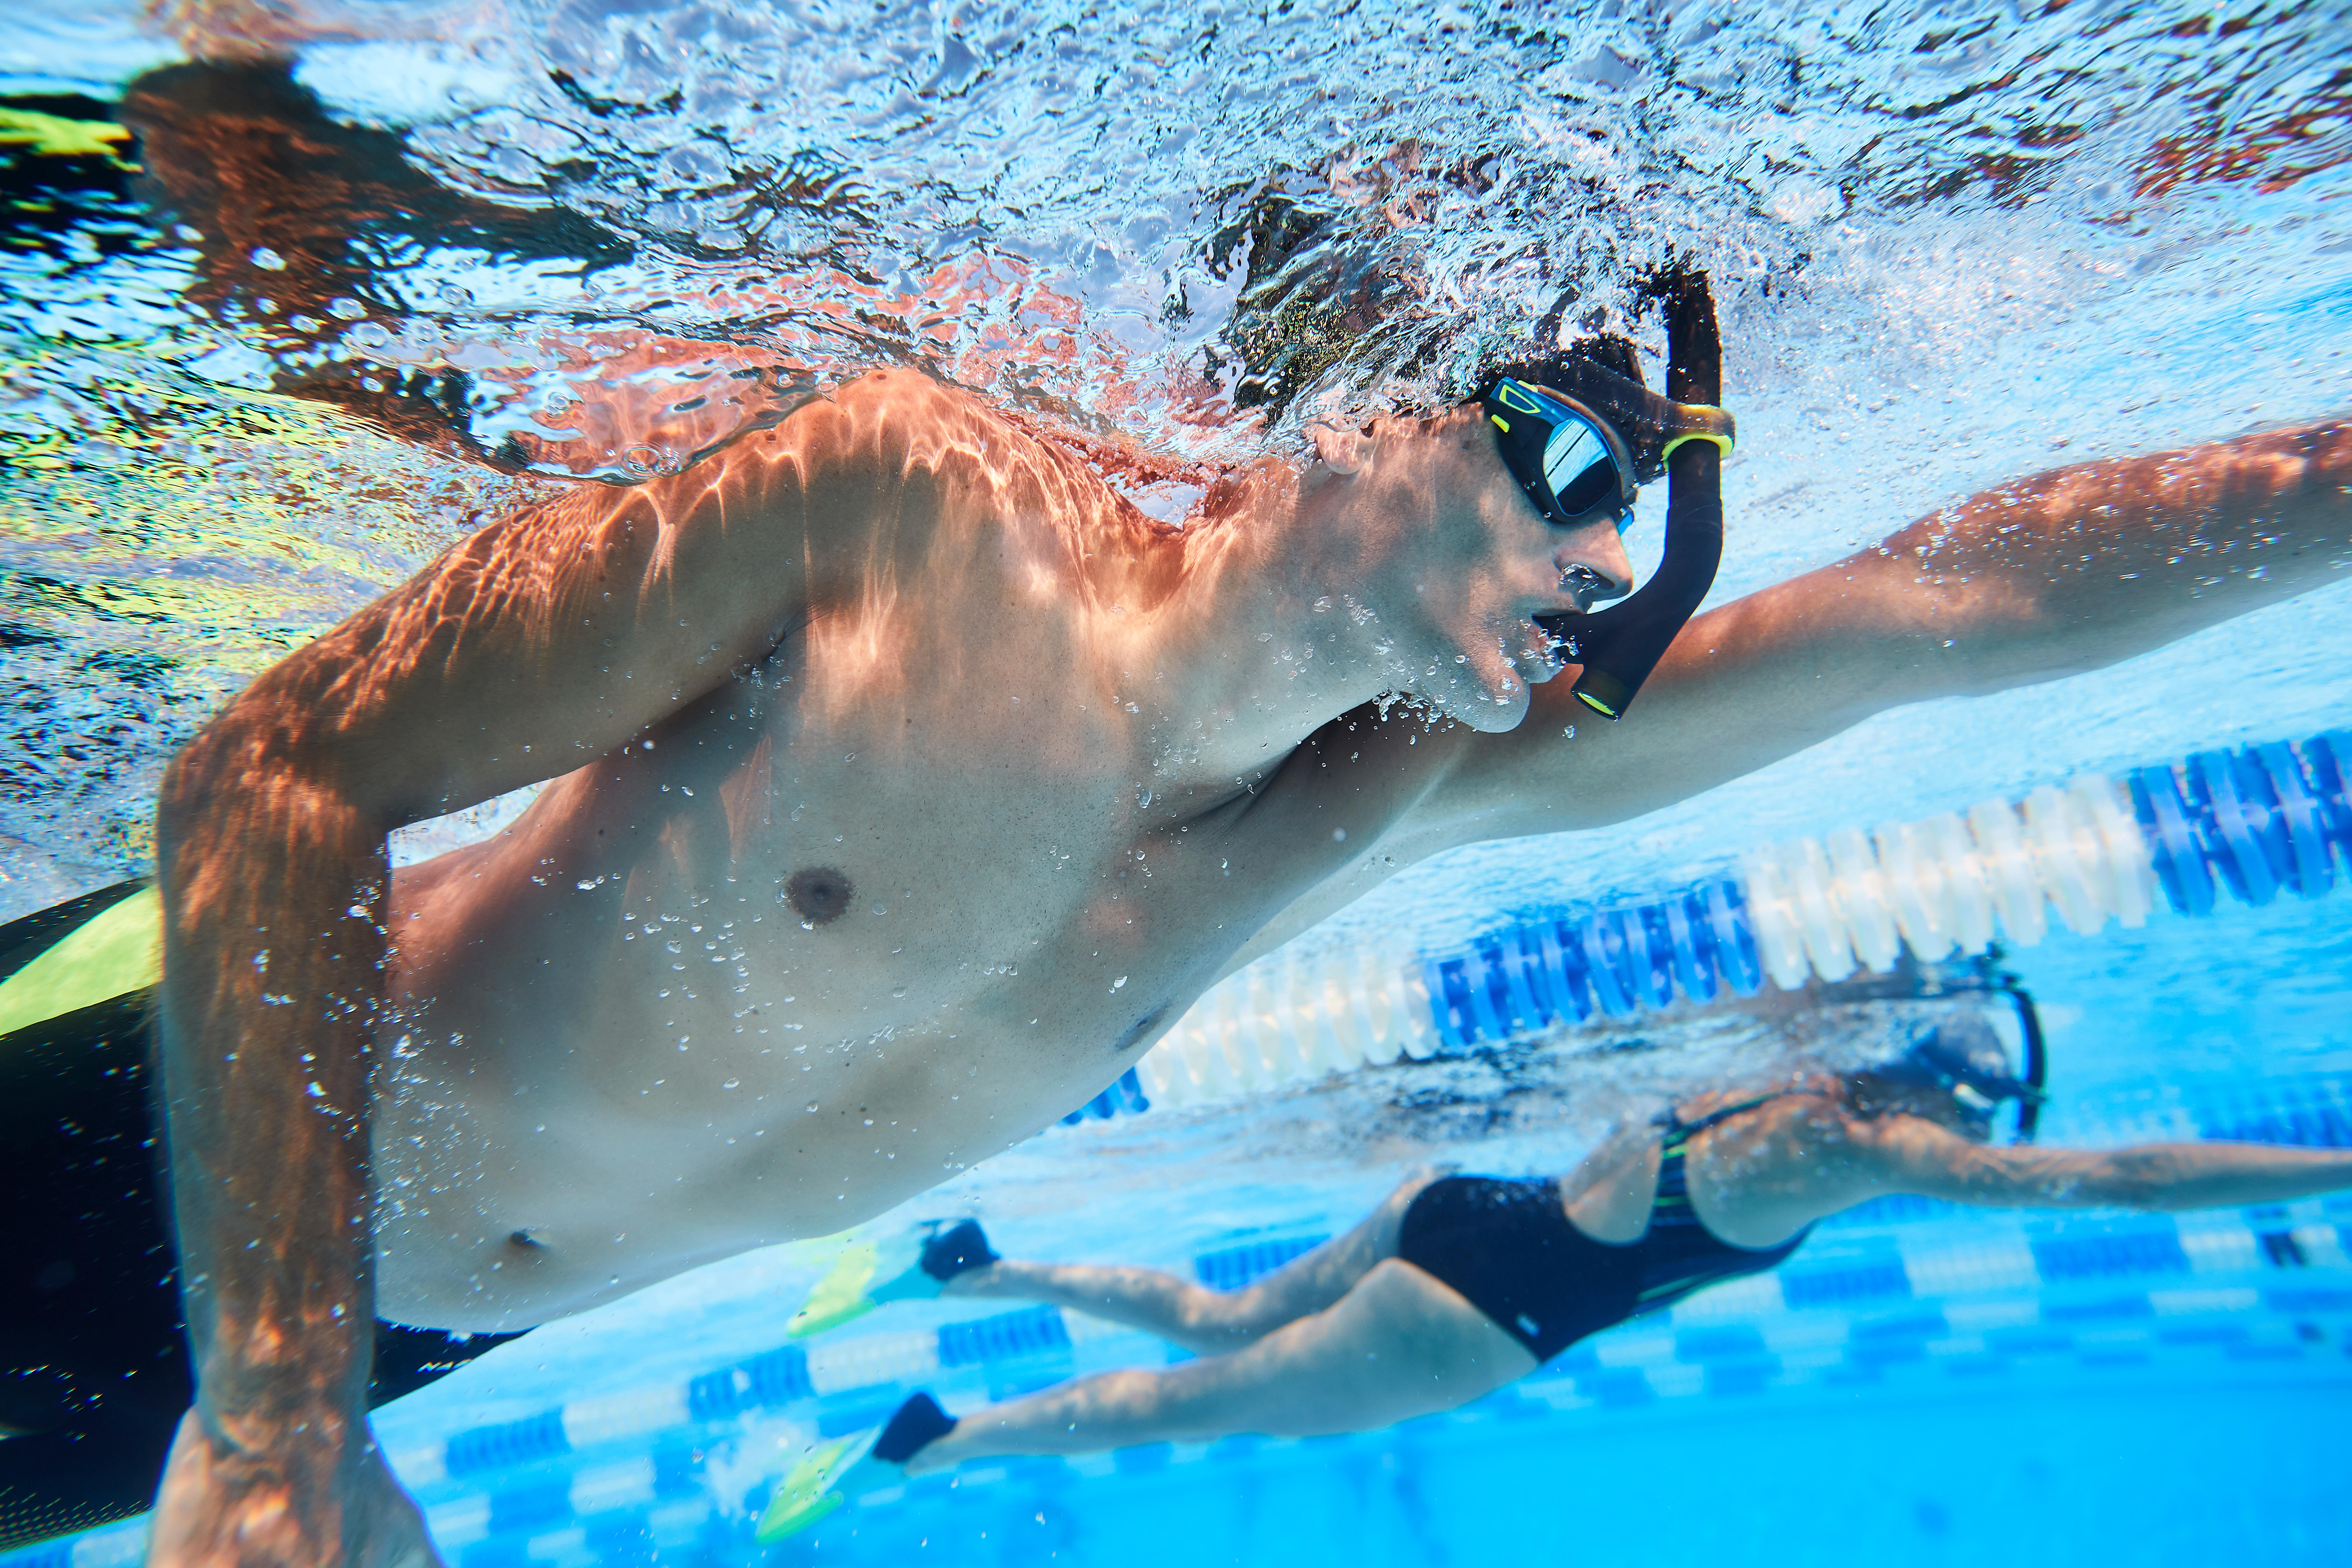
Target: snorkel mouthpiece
(1684, 437)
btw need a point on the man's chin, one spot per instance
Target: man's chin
(1542, 657)
(1490, 716)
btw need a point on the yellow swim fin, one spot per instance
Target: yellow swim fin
(841, 1296)
(115, 951)
(807, 1492)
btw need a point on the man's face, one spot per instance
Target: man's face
(1485, 563)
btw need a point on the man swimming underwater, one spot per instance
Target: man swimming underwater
(906, 782)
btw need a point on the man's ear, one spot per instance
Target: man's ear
(1343, 448)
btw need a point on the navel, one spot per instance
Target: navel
(820, 893)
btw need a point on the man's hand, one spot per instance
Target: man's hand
(323, 1497)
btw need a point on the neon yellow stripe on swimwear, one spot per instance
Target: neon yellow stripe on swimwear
(114, 953)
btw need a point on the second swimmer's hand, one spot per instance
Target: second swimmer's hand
(320, 1497)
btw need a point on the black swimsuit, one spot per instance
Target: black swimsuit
(93, 1361)
(1508, 1247)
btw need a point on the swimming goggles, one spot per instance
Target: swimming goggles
(1570, 461)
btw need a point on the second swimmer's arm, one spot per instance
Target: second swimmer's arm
(1913, 1155)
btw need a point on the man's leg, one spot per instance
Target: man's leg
(1398, 1346)
(1208, 1322)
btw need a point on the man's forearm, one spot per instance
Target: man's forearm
(273, 891)
(2081, 566)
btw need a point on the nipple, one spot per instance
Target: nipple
(820, 893)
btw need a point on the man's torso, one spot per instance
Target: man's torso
(861, 917)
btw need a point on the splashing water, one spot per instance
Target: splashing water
(257, 366)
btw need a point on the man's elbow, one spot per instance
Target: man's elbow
(254, 774)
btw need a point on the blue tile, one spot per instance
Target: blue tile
(529, 1508)
(1843, 1286)
(2204, 1334)
(2301, 1300)
(779, 1377)
(1750, 1377)
(678, 1466)
(1617, 1387)
(2108, 1310)
(2126, 1252)
(1141, 1458)
(1927, 1325)
(1977, 1365)
(1234, 1266)
(507, 1445)
(712, 1396)
(1727, 1342)
(1007, 1335)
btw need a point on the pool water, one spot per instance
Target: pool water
(1951, 243)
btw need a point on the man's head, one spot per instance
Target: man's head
(1464, 559)
(1575, 432)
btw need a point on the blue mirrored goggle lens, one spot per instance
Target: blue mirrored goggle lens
(1577, 465)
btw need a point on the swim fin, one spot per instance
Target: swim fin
(853, 1466)
(920, 1263)
(814, 1487)
(841, 1296)
(93, 949)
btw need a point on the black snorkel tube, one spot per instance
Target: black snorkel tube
(1683, 436)
(2037, 1057)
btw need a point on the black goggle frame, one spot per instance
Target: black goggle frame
(1527, 418)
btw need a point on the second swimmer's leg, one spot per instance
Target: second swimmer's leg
(1208, 1322)
(1398, 1346)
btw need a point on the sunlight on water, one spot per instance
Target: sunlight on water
(1951, 245)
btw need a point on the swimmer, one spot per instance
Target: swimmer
(903, 783)
(1457, 1285)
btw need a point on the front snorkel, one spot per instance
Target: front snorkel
(1684, 437)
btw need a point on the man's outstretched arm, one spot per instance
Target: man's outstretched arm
(533, 646)
(2045, 577)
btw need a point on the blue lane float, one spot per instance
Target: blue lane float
(2252, 823)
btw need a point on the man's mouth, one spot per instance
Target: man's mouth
(1546, 648)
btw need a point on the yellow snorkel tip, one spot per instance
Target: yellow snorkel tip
(1602, 691)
